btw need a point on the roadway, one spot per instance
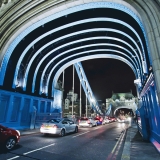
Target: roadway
(103, 142)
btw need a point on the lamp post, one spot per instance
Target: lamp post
(86, 105)
(73, 91)
(80, 109)
(63, 95)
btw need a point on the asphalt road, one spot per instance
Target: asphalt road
(103, 142)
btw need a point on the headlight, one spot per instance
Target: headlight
(18, 132)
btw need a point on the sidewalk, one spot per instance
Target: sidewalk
(31, 131)
(137, 149)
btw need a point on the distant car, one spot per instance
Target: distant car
(87, 122)
(59, 126)
(9, 137)
(113, 119)
(98, 120)
(105, 121)
(120, 120)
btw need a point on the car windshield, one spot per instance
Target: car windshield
(54, 121)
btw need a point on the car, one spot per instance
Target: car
(105, 121)
(120, 120)
(60, 126)
(99, 120)
(113, 119)
(9, 137)
(87, 122)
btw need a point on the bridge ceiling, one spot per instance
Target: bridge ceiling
(38, 56)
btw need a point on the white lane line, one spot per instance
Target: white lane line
(38, 149)
(13, 158)
(97, 128)
(80, 134)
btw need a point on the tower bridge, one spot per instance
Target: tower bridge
(39, 39)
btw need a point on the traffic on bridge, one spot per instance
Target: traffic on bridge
(40, 118)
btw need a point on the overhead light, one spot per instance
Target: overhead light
(150, 68)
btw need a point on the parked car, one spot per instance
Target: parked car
(98, 120)
(8, 137)
(87, 122)
(59, 126)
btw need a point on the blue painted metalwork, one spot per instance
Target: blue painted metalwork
(91, 30)
(63, 27)
(60, 54)
(89, 57)
(17, 110)
(86, 87)
(108, 110)
(63, 37)
(97, 50)
(155, 109)
(62, 13)
(149, 112)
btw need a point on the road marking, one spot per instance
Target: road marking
(97, 127)
(38, 149)
(13, 158)
(112, 155)
(80, 134)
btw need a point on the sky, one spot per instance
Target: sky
(105, 76)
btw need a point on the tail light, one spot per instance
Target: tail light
(79, 120)
(42, 125)
(55, 126)
(88, 121)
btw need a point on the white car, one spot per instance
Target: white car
(87, 122)
(120, 120)
(105, 121)
(59, 126)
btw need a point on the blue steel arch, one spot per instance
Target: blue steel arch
(97, 50)
(81, 40)
(72, 34)
(57, 29)
(69, 25)
(97, 44)
(62, 13)
(87, 58)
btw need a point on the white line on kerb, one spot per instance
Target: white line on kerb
(13, 158)
(38, 149)
(80, 134)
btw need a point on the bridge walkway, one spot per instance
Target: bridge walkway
(136, 148)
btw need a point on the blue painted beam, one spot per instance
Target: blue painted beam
(87, 88)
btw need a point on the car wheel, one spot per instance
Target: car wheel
(76, 130)
(62, 133)
(45, 134)
(10, 143)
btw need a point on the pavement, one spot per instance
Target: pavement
(135, 148)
